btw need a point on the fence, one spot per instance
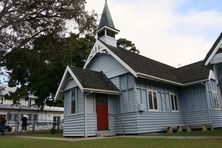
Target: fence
(34, 127)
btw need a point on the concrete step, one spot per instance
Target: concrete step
(105, 133)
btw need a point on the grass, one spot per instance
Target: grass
(216, 132)
(13, 142)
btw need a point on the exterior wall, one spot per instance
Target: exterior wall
(215, 114)
(154, 121)
(106, 63)
(194, 105)
(74, 123)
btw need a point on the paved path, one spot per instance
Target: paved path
(63, 139)
(143, 137)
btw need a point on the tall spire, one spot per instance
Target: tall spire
(106, 19)
(106, 30)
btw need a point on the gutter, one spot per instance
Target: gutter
(145, 76)
(91, 90)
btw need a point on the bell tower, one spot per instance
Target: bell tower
(106, 31)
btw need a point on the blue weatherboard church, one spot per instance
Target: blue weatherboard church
(118, 91)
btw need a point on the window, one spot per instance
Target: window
(216, 100)
(174, 102)
(152, 101)
(73, 101)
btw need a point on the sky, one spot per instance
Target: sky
(175, 32)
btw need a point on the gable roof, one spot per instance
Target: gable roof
(216, 48)
(192, 73)
(87, 81)
(146, 67)
(93, 80)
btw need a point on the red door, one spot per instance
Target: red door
(102, 112)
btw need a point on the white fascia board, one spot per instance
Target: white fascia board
(92, 90)
(145, 76)
(121, 61)
(94, 52)
(195, 82)
(213, 53)
(211, 75)
(114, 30)
(68, 70)
(75, 78)
(141, 75)
(92, 55)
(61, 83)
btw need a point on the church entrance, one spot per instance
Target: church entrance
(102, 112)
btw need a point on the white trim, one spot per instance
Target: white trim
(211, 75)
(106, 27)
(76, 98)
(63, 80)
(213, 53)
(195, 82)
(141, 75)
(75, 79)
(174, 110)
(148, 101)
(92, 55)
(101, 91)
(145, 76)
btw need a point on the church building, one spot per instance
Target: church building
(121, 92)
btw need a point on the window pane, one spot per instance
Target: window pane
(73, 101)
(216, 100)
(172, 102)
(155, 100)
(176, 103)
(150, 100)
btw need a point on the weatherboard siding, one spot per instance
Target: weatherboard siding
(158, 121)
(70, 84)
(154, 121)
(194, 105)
(127, 97)
(107, 64)
(215, 114)
(74, 125)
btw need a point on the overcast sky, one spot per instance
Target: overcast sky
(175, 32)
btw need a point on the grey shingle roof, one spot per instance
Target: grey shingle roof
(106, 19)
(93, 80)
(140, 64)
(192, 72)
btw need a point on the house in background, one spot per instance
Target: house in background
(13, 110)
(119, 92)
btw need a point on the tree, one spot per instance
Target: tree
(127, 45)
(39, 70)
(22, 21)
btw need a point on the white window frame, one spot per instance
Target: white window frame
(176, 105)
(215, 97)
(76, 98)
(148, 101)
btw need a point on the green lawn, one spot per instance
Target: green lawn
(216, 132)
(13, 142)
